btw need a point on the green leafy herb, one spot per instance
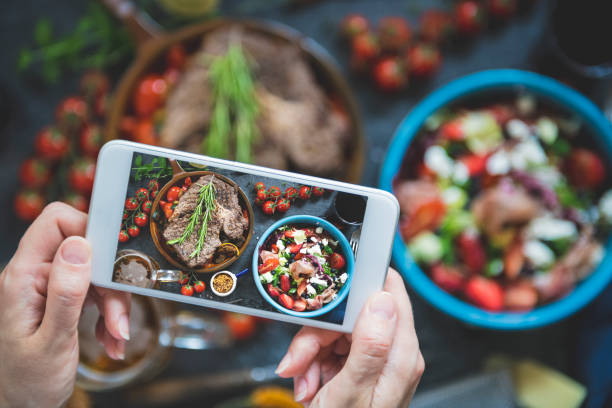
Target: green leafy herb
(292, 291)
(568, 197)
(235, 108)
(158, 168)
(98, 41)
(327, 250)
(561, 147)
(327, 269)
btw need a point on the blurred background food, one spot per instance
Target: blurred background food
(323, 99)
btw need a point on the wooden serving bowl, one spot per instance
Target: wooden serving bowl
(330, 78)
(156, 234)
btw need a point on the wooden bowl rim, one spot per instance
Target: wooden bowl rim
(155, 230)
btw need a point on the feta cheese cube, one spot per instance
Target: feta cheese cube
(314, 239)
(318, 230)
(343, 277)
(438, 161)
(539, 254)
(280, 245)
(548, 228)
(517, 129)
(266, 277)
(310, 290)
(324, 241)
(318, 281)
(498, 163)
(314, 250)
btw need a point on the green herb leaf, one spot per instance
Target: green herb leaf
(43, 32)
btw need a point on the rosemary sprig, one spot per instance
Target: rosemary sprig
(235, 108)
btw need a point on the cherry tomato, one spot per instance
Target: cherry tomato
(423, 59)
(485, 293)
(34, 173)
(448, 277)
(269, 207)
(133, 230)
(149, 95)
(286, 300)
(389, 74)
(199, 286)
(152, 185)
(304, 192)
(241, 326)
(125, 216)
(144, 132)
(585, 169)
(127, 127)
(146, 206)
(284, 283)
(274, 248)
(354, 24)
(184, 280)
(337, 261)
(283, 205)
(452, 130)
(274, 192)
(173, 193)
(29, 204)
(71, 114)
(167, 208)
(101, 105)
(187, 181)
(365, 49)
(141, 219)
(81, 175)
(502, 9)
(471, 251)
(299, 305)
(269, 265)
(123, 236)
(94, 84)
(77, 200)
(187, 290)
(51, 143)
(91, 140)
(262, 195)
(291, 193)
(476, 164)
(436, 26)
(273, 290)
(131, 203)
(176, 56)
(318, 191)
(141, 194)
(469, 17)
(260, 186)
(394, 33)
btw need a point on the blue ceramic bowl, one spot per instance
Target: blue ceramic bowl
(336, 234)
(495, 81)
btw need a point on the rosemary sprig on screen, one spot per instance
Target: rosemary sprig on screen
(235, 110)
(157, 168)
(201, 214)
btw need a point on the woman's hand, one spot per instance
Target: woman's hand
(42, 292)
(379, 365)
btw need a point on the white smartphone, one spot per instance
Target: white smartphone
(237, 237)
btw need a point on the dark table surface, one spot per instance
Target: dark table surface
(451, 349)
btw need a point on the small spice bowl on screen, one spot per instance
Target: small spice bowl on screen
(223, 283)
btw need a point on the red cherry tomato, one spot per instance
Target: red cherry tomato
(34, 173)
(502, 9)
(365, 49)
(485, 293)
(269, 265)
(318, 191)
(273, 290)
(71, 114)
(141, 219)
(133, 230)
(77, 200)
(389, 74)
(29, 204)
(469, 17)
(152, 185)
(94, 84)
(91, 140)
(354, 24)
(475, 164)
(274, 248)
(284, 283)
(187, 181)
(141, 194)
(452, 130)
(283, 205)
(304, 192)
(149, 95)
(394, 33)
(199, 286)
(176, 56)
(337, 261)
(585, 169)
(269, 207)
(436, 26)
(260, 186)
(173, 193)
(286, 300)
(274, 192)
(423, 59)
(51, 143)
(167, 208)
(291, 193)
(144, 132)
(131, 203)
(146, 206)
(81, 175)
(123, 236)
(240, 326)
(187, 290)
(262, 195)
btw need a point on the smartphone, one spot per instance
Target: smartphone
(237, 237)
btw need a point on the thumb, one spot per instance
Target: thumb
(371, 344)
(67, 288)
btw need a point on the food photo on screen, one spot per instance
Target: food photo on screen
(238, 238)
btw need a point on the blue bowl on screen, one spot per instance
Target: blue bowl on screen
(336, 234)
(496, 82)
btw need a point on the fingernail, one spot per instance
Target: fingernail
(75, 251)
(120, 350)
(300, 388)
(382, 305)
(284, 364)
(124, 326)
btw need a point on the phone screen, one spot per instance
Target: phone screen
(238, 238)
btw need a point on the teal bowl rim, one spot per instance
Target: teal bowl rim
(458, 89)
(335, 232)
